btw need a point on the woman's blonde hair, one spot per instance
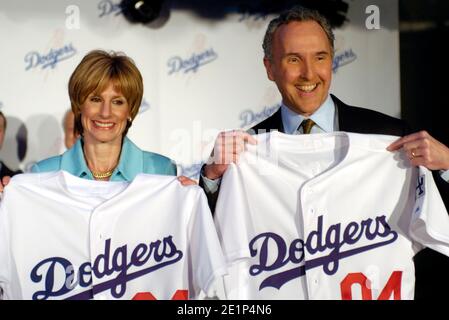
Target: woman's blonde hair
(95, 72)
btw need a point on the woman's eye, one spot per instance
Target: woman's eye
(95, 99)
(118, 102)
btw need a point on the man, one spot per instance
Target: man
(299, 48)
(4, 170)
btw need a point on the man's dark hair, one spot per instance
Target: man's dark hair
(299, 14)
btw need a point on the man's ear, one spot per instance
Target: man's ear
(268, 68)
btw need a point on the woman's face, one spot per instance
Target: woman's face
(104, 116)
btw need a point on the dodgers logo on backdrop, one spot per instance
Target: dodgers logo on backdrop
(59, 275)
(374, 233)
(178, 64)
(343, 58)
(34, 59)
(107, 7)
(249, 117)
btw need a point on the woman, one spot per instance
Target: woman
(105, 92)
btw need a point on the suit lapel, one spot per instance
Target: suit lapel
(273, 122)
(277, 121)
(346, 119)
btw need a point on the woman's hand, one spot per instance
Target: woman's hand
(186, 181)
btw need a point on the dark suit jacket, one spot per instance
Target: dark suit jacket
(5, 171)
(429, 264)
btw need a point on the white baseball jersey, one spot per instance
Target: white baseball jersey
(63, 237)
(326, 216)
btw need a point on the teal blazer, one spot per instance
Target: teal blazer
(132, 162)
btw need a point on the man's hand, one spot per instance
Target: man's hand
(423, 150)
(4, 181)
(186, 181)
(227, 149)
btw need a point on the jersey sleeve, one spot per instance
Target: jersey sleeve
(206, 261)
(232, 216)
(430, 220)
(234, 227)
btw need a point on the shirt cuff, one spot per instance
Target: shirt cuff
(210, 186)
(445, 175)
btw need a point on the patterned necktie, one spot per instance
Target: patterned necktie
(307, 125)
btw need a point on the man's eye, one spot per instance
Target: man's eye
(293, 59)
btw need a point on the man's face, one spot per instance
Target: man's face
(301, 65)
(2, 131)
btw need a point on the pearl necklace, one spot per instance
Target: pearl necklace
(102, 175)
